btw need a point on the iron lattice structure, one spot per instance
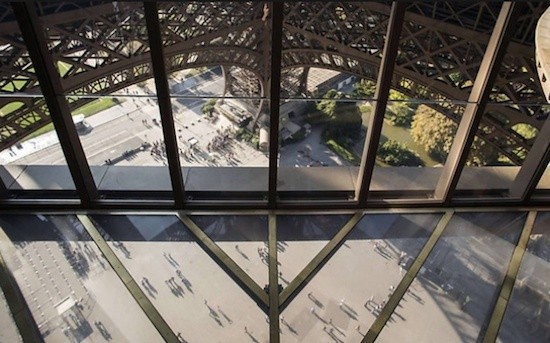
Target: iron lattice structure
(103, 48)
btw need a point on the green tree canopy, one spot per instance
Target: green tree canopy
(435, 133)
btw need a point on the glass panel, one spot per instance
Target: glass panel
(73, 293)
(300, 238)
(321, 143)
(218, 149)
(514, 115)
(341, 55)
(123, 141)
(243, 238)
(8, 329)
(103, 43)
(416, 137)
(34, 160)
(182, 281)
(218, 64)
(30, 155)
(345, 296)
(458, 285)
(527, 316)
(496, 157)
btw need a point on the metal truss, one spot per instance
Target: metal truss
(105, 48)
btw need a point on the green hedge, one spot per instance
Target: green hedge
(346, 154)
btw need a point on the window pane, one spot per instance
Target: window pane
(458, 285)
(527, 316)
(321, 145)
(193, 294)
(243, 238)
(345, 296)
(300, 238)
(72, 291)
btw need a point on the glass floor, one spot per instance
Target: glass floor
(384, 276)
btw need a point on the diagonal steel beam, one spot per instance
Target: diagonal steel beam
(309, 271)
(224, 261)
(135, 291)
(20, 311)
(165, 106)
(385, 73)
(493, 327)
(479, 96)
(274, 98)
(401, 289)
(52, 89)
(273, 280)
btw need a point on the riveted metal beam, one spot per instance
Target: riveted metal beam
(479, 96)
(273, 280)
(135, 291)
(490, 335)
(165, 106)
(309, 271)
(385, 73)
(401, 289)
(226, 263)
(20, 311)
(50, 84)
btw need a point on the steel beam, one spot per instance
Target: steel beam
(226, 263)
(313, 267)
(473, 113)
(20, 311)
(490, 335)
(385, 74)
(534, 166)
(165, 106)
(274, 98)
(52, 89)
(401, 289)
(273, 281)
(135, 291)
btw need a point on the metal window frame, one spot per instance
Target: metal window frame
(274, 98)
(164, 103)
(383, 86)
(52, 90)
(479, 96)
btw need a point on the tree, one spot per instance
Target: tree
(208, 107)
(364, 89)
(435, 133)
(397, 154)
(343, 117)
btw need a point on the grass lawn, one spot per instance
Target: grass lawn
(89, 109)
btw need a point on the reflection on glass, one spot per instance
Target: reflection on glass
(527, 317)
(8, 329)
(123, 141)
(321, 142)
(195, 296)
(71, 290)
(452, 297)
(300, 238)
(414, 135)
(243, 238)
(344, 298)
(35, 161)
